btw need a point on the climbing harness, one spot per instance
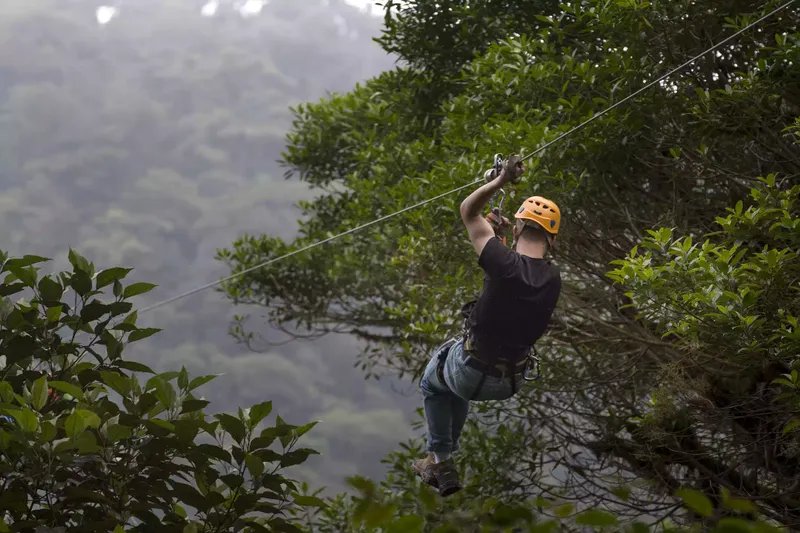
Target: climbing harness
(529, 366)
(471, 184)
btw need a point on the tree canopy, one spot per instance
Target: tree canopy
(620, 417)
(86, 444)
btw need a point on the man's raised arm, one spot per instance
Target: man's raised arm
(478, 228)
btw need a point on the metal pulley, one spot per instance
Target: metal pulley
(497, 167)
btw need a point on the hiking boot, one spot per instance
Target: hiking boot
(443, 476)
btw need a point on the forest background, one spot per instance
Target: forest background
(670, 371)
(153, 140)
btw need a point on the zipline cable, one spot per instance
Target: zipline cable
(586, 122)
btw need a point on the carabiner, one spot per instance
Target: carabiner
(533, 359)
(497, 166)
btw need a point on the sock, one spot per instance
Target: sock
(440, 457)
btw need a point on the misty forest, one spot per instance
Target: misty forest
(169, 363)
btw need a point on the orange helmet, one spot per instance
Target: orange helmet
(542, 211)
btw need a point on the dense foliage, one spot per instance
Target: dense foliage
(638, 399)
(88, 445)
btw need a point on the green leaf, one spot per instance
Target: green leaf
(49, 289)
(191, 405)
(134, 366)
(564, 510)
(142, 333)
(159, 426)
(87, 443)
(258, 412)
(406, 524)
(93, 310)
(305, 428)
(696, 501)
(190, 496)
(122, 326)
(183, 378)
(622, 492)
(254, 465)
(596, 517)
(120, 308)
(24, 261)
(79, 263)
(26, 419)
(163, 391)
(740, 505)
(308, 501)
(67, 388)
(6, 392)
(118, 432)
(507, 515)
(48, 431)
(7, 289)
(214, 451)
(135, 289)
(792, 425)
(376, 514)
(53, 314)
(232, 425)
(110, 275)
(19, 348)
(232, 480)
(81, 283)
(269, 434)
(201, 380)
(733, 525)
(74, 425)
(295, 457)
(90, 418)
(27, 275)
(79, 421)
(186, 429)
(120, 383)
(39, 393)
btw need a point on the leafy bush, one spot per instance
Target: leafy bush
(90, 441)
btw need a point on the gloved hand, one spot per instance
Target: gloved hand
(512, 169)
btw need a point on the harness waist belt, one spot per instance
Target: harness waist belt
(491, 354)
(500, 369)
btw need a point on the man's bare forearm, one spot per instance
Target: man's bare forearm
(472, 206)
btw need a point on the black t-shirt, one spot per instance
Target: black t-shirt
(518, 298)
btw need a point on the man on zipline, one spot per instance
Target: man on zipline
(520, 291)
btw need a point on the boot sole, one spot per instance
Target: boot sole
(447, 491)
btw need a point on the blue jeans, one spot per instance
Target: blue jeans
(447, 404)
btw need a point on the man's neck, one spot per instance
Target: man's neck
(534, 249)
